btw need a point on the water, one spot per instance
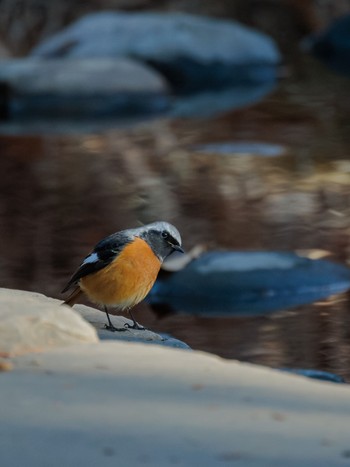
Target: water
(61, 193)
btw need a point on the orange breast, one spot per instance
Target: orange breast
(127, 280)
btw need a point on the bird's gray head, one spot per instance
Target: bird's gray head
(162, 237)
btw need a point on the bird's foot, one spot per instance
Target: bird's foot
(134, 326)
(114, 329)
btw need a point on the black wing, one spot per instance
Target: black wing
(102, 255)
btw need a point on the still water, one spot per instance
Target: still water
(273, 176)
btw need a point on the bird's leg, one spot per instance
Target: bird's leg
(134, 324)
(110, 326)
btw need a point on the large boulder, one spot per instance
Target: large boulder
(192, 52)
(83, 87)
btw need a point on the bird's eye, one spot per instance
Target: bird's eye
(164, 234)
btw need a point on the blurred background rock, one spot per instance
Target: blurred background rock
(23, 23)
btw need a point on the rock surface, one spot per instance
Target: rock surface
(126, 404)
(31, 322)
(98, 320)
(192, 52)
(81, 87)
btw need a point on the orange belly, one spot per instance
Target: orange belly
(127, 280)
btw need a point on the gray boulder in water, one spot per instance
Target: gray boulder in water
(228, 283)
(81, 88)
(193, 53)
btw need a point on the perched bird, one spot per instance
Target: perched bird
(122, 268)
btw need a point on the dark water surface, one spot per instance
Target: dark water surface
(60, 194)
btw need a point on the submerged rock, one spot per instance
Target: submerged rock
(316, 374)
(249, 283)
(192, 52)
(242, 148)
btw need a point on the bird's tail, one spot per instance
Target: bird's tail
(73, 297)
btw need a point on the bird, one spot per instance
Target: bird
(122, 268)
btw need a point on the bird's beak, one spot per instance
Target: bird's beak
(177, 248)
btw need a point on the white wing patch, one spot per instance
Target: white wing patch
(93, 258)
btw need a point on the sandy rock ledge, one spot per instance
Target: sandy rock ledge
(131, 404)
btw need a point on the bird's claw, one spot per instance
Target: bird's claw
(134, 326)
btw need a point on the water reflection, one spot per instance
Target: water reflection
(313, 336)
(209, 104)
(60, 194)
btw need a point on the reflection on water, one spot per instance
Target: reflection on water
(314, 336)
(61, 194)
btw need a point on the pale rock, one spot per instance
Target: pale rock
(31, 322)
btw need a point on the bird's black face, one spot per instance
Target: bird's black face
(163, 238)
(171, 241)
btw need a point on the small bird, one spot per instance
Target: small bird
(122, 268)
